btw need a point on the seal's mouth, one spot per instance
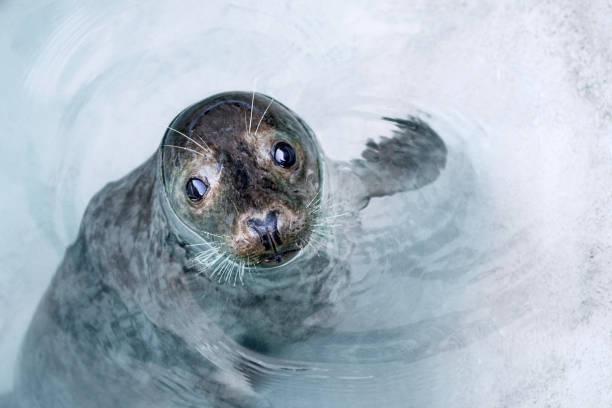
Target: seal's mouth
(279, 257)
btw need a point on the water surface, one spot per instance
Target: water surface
(490, 287)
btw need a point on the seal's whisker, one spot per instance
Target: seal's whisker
(208, 149)
(338, 215)
(206, 252)
(330, 214)
(321, 238)
(335, 221)
(214, 267)
(210, 270)
(316, 197)
(325, 227)
(184, 135)
(219, 269)
(204, 256)
(262, 116)
(226, 268)
(214, 272)
(313, 248)
(325, 221)
(211, 250)
(204, 261)
(196, 245)
(212, 235)
(234, 273)
(320, 204)
(317, 241)
(315, 211)
(319, 235)
(241, 273)
(248, 262)
(186, 148)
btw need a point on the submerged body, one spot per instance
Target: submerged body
(218, 248)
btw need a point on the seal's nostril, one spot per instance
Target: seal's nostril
(267, 230)
(265, 239)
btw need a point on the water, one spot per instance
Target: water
(489, 287)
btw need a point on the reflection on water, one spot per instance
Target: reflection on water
(485, 288)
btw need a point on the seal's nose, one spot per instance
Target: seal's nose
(267, 230)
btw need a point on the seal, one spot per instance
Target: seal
(220, 248)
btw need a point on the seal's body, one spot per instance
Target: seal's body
(215, 250)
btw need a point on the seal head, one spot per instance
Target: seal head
(241, 172)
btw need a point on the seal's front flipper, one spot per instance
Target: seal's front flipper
(412, 158)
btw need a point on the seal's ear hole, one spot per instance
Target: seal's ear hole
(283, 154)
(195, 189)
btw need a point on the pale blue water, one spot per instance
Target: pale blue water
(490, 287)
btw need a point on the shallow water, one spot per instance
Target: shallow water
(490, 287)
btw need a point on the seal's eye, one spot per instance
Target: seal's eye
(284, 155)
(195, 189)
